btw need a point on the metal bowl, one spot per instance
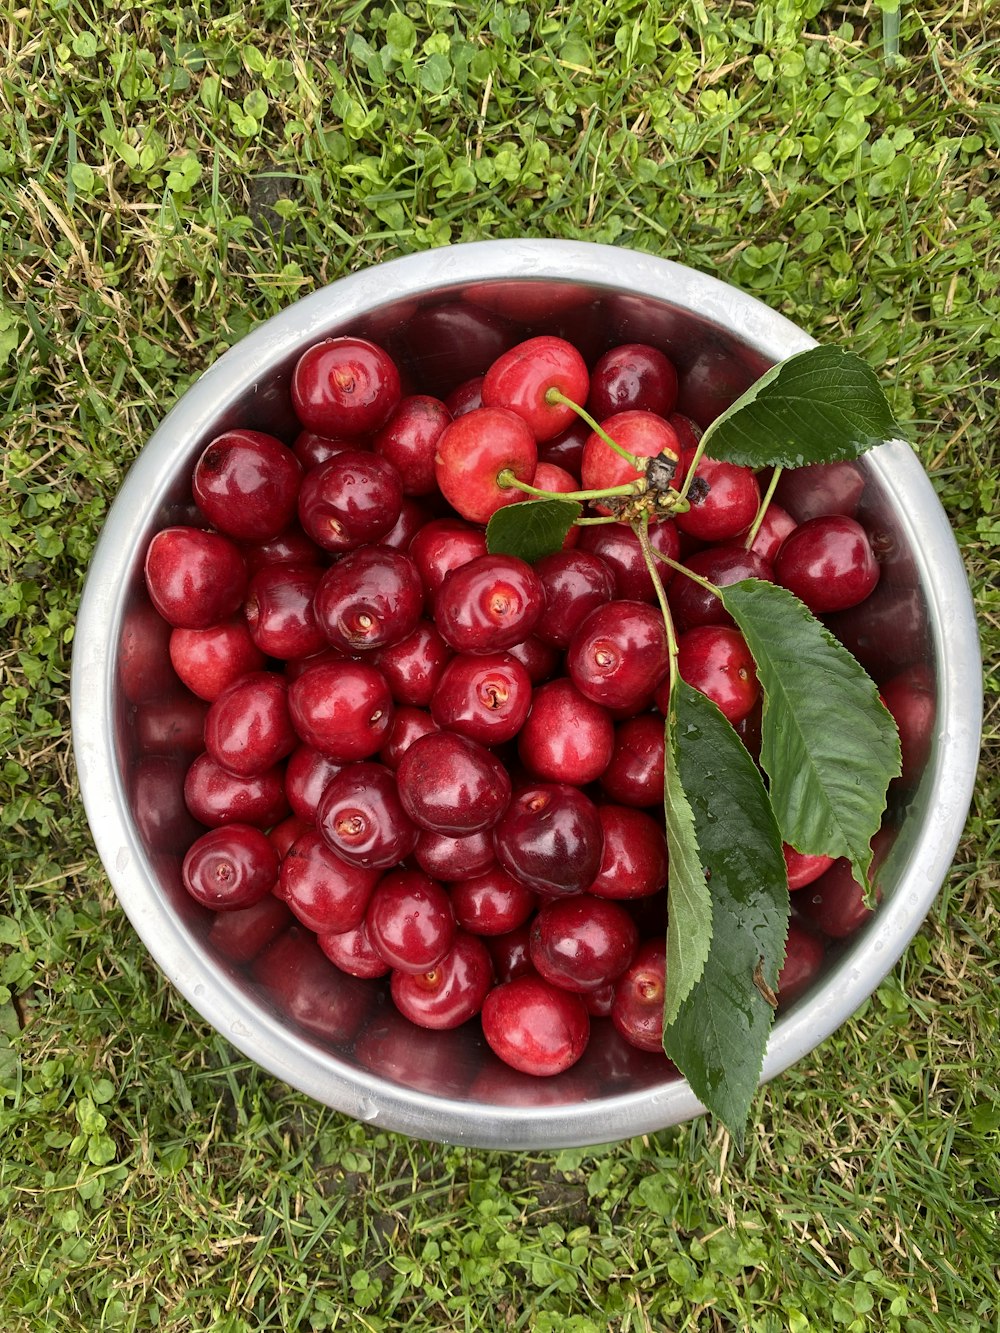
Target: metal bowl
(445, 314)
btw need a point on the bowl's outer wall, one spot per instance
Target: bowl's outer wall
(722, 340)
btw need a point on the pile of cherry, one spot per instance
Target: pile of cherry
(447, 764)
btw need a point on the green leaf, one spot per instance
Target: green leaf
(819, 406)
(689, 903)
(532, 529)
(720, 1033)
(828, 745)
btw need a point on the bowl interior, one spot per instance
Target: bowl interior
(340, 1039)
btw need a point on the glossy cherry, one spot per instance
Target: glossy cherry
(483, 696)
(492, 903)
(370, 599)
(280, 613)
(441, 546)
(449, 993)
(566, 737)
(362, 819)
(230, 868)
(352, 498)
(724, 501)
(345, 387)
(343, 709)
(216, 797)
(249, 728)
(828, 562)
(409, 921)
(550, 838)
(637, 1011)
(408, 440)
(473, 454)
(574, 583)
(246, 484)
(353, 952)
(618, 546)
(723, 565)
(618, 655)
(522, 378)
(195, 578)
(325, 892)
(634, 864)
(489, 604)
(643, 434)
(535, 1027)
(208, 660)
(582, 943)
(408, 725)
(634, 775)
(448, 858)
(632, 376)
(413, 665)
(716, 660)
(450, 784)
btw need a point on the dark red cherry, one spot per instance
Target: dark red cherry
(634, 864)
(466, 397)
(326, 893)
(804, 954)
(413, 665)
(410, 921)
(249, 727)
(574, 583)
(353, 952)
(216, 797)
(535, 1027)
(352, 498)
(630, 376)
(539, 659)
(173, 724)
(492, 903)
(413, 514)
(362, 818)
(618, 654)
(195, 578)
(279, 611)
(567, 737)
(489, 604)
(582, 943)
(550, 838)
(408, 725)
(230, 868)
(441, 546)
(834, 903)
(485, 697)
(510, 953)
(369, 599)
(566, 448)
(618, 546)
(634, 776)
(408, 440)
(445, 996)
(296, 976)
(828, 562)
(343, 709)
(637, 1011)
(449, 784)
(716, 661)
(241, 935)
(449, 858)
(345, 387)
(723, 565)
(246, 484)
(311, 449)
(144, 667)
(911, 698)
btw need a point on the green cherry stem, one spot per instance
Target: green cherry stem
(649, 554)
(751, 536)
(678, 568)
(506, 479)
(555, 395)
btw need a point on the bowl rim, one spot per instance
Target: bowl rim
(256, 1030)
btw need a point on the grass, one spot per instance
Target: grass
(168, 178)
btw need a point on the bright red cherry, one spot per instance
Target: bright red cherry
(492, 903)
(635, 776)
(618, 654)
(828, 562)
(724, 501)
(716, 661)
(522, 378)
(634, 864)
(280, 613)
(567, 737)
(195, 578)
(637, 1011)
(441, 546)
(207, 660)
(450, 784)
(534, 1026)
(802, 868)
(445, 996)
(483, 696)
(345, 387)
(326, 893)
(642, 433)
(248, 727)
(474, 452)
(774, 528)
(410, 921)
(342, 709)
(246, 484)
(230, 868)
(353, 952)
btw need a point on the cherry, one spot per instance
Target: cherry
(539, 659)
(687, 430)
(345, 386)
(819, 489)
(599, 1001)
(371, 598)
(802, 868)
(326, 893)
(408, 725)
(634, 864)
(208, 660)
(511, 953)
(637, 1011)
(353, 952)
(241, 935)
(534, 1026)
(172, 724)
(582, 943)
(550, 477)
(442, 545)
(311, 449)
(216, 797)
(723, 505)
(618, 654)
(493, 903)
(828, 562)
(284, 835)
(413, 665)
(297, 976)
(451, 992)
(573, 584)
(488, 604)
(361, 817)
(409, 921)
(723, 565)
(567, 737)
(279, 610)
(550, 838)
(834, 903)
(144, 667)
(466, 397)
(449, 858)
(635, 776)
(485, 697)
(450, 784)
(248, 727)
(804, 954)
(522, 378)
(229, 868)
(565, 450)
(412, 517)
(306, 776)
(911, 698)
(716, 661)
(409, 439)
(342, 709)
(618, 546)
(632, 376)
(351, 499)
(246, 484)
(775, 527)
(475, 452)
(642, 433)
(195, 578)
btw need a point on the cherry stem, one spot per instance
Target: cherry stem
(678, 568)
(649, 554)
(555, 395)
(592, 522)
(751, 536)
(506, 479)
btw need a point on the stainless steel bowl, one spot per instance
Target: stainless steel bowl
(445, 313)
